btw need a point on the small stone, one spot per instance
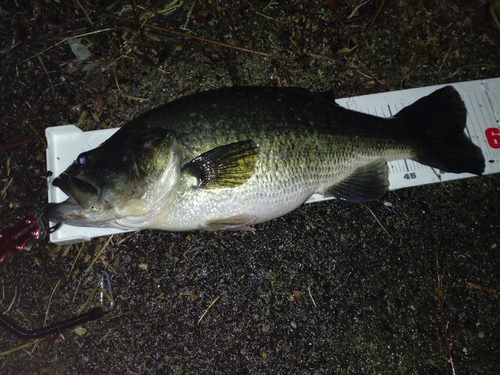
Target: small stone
(80, 51)
(419, 47)
(80, 331)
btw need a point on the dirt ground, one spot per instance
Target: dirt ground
(323, 290)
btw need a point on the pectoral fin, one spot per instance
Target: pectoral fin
(226, 166)
(237, 222)
(365, 184)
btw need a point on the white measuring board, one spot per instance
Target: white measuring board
(482, 100)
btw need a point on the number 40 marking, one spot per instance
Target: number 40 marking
(493, 137)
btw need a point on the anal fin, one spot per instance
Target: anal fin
(365, 184)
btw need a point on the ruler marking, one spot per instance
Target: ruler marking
(487, 123)
(474, 114)
(406, 164)
(479, 111)
(491, 98)
(467, 123)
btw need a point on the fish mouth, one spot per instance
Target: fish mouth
(80, 190)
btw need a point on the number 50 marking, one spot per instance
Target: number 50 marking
(493, 137)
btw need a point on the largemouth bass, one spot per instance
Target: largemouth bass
(229, 158)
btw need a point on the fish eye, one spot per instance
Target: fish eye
(82, 160)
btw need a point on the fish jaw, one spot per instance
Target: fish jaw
(81, 190)
(82, 208)
(71, 213)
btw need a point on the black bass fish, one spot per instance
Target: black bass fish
(229, 158)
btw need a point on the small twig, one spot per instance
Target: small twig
(237, 337)
(114, 62)
(370, 24)
(190, 11)
(6, 186)
(74, 263)
(185, 35)
(118, 86)
(86, 15)
(85, 34)
(28, 122)
(322, 57)
(50, 301)
(87, 300)
(444, 59)
(355, 11)
(496, 293)
(472, 66)
(77, 289)
(97, 256)
(126, 239)
(271, 3)
(378, 221)
(12, 302)
(444, 326)
(45, 70)
(207, 309)
(20, 347)
(265, 16)
(310, 295)
(494, 8)
(127, 95)
(448, 344)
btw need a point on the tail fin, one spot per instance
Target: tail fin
(439, 120)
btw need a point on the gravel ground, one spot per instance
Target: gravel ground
(323, 290)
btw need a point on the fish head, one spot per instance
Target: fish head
(124, 183)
